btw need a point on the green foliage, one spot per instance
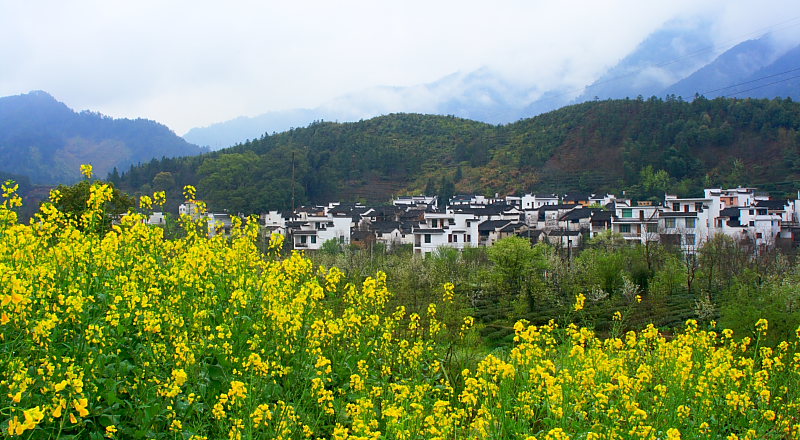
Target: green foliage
(73, 202)
(511, 258)
(775, 297)
(331, 247)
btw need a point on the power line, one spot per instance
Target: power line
(762, 86)
(751, 81)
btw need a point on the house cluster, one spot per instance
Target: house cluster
(566, 221)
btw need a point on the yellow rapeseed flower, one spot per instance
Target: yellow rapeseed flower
(87, 170)
(580, 299)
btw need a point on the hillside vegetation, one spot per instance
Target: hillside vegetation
(642, 146)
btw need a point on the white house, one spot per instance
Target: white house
(392, 233)
(532, 201)
(219, 224)
(636, 223)
(446, 229)
(408, 201)
(192, 209)
(156, 218)
(311, 231)
(685, 222)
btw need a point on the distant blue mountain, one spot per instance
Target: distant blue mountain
(225, 134)
(45, 140)
(779, 79)
(679, 59)
(735, 66)
(481, 95)
(662, 59)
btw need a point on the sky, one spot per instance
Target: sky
(193, 63)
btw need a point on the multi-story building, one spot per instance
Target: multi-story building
(685, 222)
(636, 222)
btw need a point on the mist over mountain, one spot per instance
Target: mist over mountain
(45, 140)
(679, 59)
(665, 57)
(732, 67)
(482, 95)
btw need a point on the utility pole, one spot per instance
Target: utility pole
(293, 207)
(569, 252)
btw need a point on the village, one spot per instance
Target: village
(564, 221)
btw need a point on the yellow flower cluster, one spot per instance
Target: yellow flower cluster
(124, 334)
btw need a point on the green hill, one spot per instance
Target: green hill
(642, 146)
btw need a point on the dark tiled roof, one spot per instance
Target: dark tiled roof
(462, 198)
(775, 205)
(411, 214)
(577, 214)
(407, 227)
(576, 197)
(601, 215)
(492, 225)
(511, 227)
(348, 209)
(384, 227)
(385, 210)
(485, 210)
(361, 235)
(729, 212)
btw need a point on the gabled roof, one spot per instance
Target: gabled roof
(577, 214)
(487, 210)
(384, 227)
(407, 227)
(462, 198)
(730, 212)
(492, 225)
(348, 210)
(412, 213)
(512, 227)
(775, 205)
(315, 210)
(601, 215)
(576, 197)
(385, 210)
(361, 235)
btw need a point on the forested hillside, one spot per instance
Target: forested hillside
(642, 146)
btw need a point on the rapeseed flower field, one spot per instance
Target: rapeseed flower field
(123, 334)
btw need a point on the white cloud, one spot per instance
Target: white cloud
(191, 63)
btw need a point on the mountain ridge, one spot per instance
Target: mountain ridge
(45, 140)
